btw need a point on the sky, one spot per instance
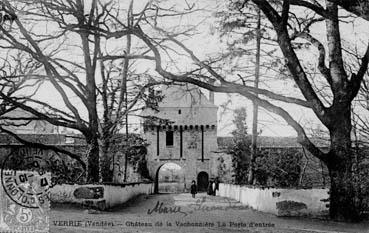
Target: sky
(207, 43)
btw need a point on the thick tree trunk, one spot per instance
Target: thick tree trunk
(344, 205)
(106, 161)
(93, 161)
(343, 198)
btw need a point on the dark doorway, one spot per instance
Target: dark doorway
(202, 181)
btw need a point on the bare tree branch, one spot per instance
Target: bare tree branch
(321, 60)
(356, 79)
(233, 88)
(45, 147)
(293, 63)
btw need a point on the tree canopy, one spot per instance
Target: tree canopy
(89, 30)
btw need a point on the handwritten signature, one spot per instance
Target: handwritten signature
(200, 205)
(161, 209)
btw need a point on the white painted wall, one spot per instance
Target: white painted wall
(263, 200)
(116, 195)
(113, 195)
(64, 193)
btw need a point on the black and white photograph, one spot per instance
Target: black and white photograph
(203, 116)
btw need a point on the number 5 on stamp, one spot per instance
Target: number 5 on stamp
(17, 215)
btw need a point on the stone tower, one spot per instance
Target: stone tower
(189, 139)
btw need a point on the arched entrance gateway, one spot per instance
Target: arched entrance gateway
(187, 138)
(202, 181)
(169, 178)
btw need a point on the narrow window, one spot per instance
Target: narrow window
(180, 141)
(202, 143)
(157, 140)
(179, 111)
(169, 138)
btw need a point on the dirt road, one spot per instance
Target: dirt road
(182, 213)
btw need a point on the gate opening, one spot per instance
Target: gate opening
(170, 179)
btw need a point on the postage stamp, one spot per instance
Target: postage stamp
(24, 196)
(24, 206)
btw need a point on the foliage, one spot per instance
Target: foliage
(240, 148)
(224, 170)
(279, 168)
(240, 161)
(221, 168)
(152, 98)
(239, 121)
(135, 148)
(361, 169)
(132, 148)
(136, 154)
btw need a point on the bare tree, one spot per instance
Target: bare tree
(99, 23)
(357, 7)
(336, 116)
(95, 79)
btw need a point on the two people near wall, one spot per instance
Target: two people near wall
(212, 187)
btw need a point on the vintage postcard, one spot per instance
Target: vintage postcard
(184, 116)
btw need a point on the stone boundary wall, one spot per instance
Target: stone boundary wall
(281, 202)
(98, 196)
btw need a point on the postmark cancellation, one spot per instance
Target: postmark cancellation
(24, 201)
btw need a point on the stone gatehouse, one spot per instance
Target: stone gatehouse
(189, 136)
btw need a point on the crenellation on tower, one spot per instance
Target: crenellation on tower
(185, 135)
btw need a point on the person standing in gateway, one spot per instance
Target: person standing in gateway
(193, 189)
